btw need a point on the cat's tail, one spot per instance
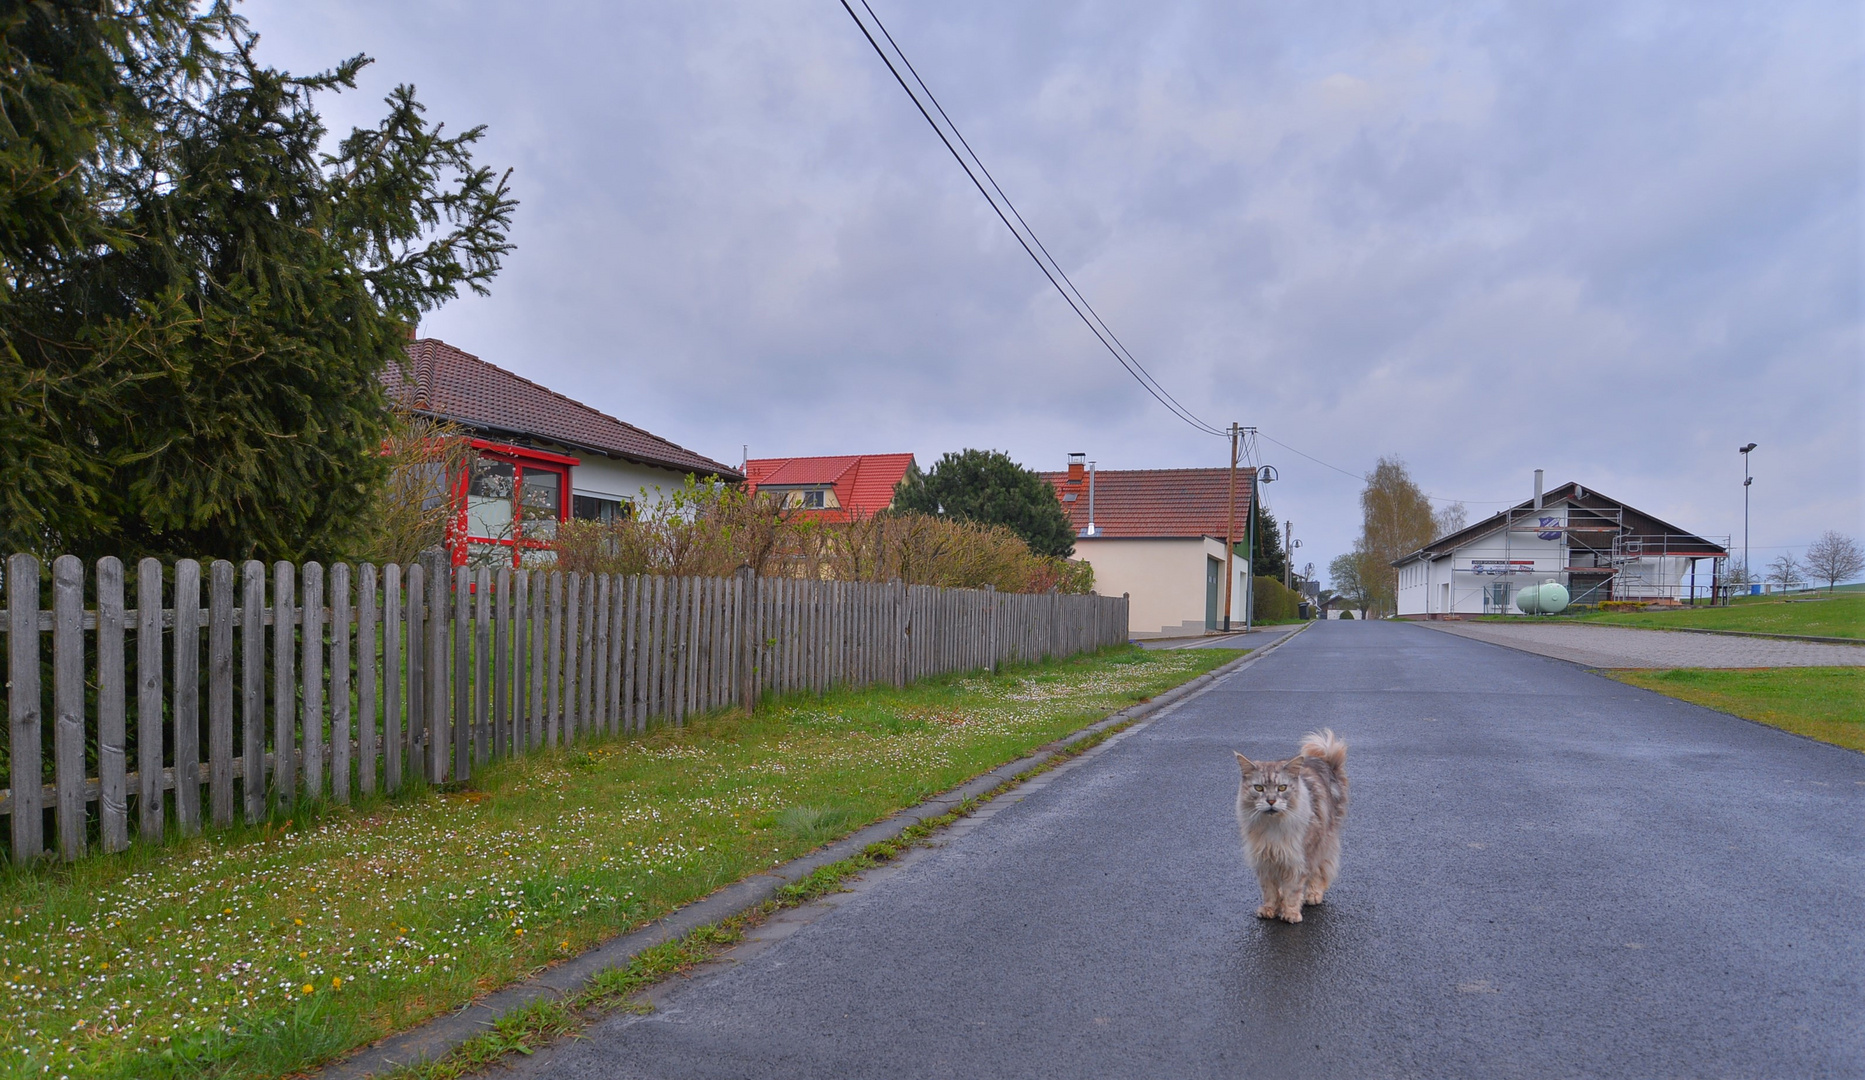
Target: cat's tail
(1327, 746)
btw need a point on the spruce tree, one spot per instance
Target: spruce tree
(198, 299)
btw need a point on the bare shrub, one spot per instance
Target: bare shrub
(707, 530)
(413, 507)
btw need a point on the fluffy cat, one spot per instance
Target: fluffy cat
(1290, 813)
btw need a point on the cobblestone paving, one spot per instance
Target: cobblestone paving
(1622, 647)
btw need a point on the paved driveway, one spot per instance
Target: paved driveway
(1547, 873)
(1624, 647)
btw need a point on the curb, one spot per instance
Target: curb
(443, 1034)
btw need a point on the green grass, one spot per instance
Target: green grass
(266, 950)
(1825, 703)
(1843, 615)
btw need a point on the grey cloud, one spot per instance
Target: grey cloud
(1612, 241)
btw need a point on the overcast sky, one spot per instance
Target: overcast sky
(1611, 240)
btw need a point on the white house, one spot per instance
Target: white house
(1158, 536)
(1595, 546)
(541, 458)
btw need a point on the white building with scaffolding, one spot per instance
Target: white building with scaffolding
(1597, 547)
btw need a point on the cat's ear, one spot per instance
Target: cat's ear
(1244, 763)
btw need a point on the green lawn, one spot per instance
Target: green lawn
(1825, 703)
(267, 950)
(1843, 615)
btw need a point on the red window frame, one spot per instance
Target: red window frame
(523, 459)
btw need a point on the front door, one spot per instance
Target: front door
(1213, 581)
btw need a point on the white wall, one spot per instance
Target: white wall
(1525, 556)
(610, 478)
(1164, 581)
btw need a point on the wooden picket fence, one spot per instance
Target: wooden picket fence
(311, 682)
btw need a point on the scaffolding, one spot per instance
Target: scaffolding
(1599, 557)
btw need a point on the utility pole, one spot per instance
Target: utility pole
(1230, 526)
(1746, 481)
(1288, 554)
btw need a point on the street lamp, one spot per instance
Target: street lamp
(1747, 480)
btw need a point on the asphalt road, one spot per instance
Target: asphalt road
(1546, 873)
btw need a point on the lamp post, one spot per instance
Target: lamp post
(1747, 480)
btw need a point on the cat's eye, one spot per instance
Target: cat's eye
(1282, 787)
(1259, 787)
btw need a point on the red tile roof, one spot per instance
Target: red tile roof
(1155, 503)
(450, 384)
(864, 483)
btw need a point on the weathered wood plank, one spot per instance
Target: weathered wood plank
(482, 666)
(284, 686)
(113, 825)
(149, 666)
(523, 661)
(220, 692)
(460, 638)
(187, 696)
(540, 655)
(368, 618)
(23, 707)
(311, 693)
(501, 661)
(553, 662)
(604, 656)
(414, 642)
(341, 618)
(439, 623)
(68, 703)
(252, 689)
(394, 718)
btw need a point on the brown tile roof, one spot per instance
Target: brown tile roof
(446, 382)
(864, 483)
(1155, 503)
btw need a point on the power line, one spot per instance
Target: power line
(1362, 476)
(1025, 236)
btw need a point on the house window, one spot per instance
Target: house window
(510, 499)
(601, 508)
(811, 498)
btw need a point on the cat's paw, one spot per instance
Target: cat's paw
(1267, 911)
(1290, 915)
(1314, 896)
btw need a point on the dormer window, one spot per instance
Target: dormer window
(813, 497)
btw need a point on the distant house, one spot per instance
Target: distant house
(850, 487)
(541, 457)
(1597, 547)
(1158, 536)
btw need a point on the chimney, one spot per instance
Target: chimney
(1537, 489)
(1077, 466)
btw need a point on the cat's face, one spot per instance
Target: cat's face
(1269, 787)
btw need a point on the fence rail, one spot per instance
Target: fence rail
(307, 682)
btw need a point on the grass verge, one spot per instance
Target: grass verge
(526, 1030)
(265, 951)
(1824, 703)
(1840, 615)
